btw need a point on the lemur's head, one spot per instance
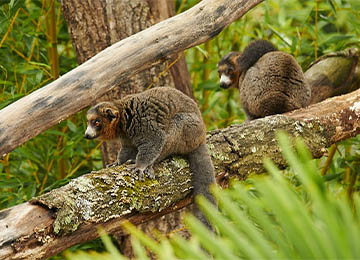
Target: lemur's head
(229, 71)
(102, 120)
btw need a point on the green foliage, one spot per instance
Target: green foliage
(275, 219)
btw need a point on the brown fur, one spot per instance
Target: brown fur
(270, 81)
(274, 85)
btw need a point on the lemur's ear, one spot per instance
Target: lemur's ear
(111, 114)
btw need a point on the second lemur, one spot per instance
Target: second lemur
(151, 126)
(270, 81)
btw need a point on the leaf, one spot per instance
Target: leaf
(338, 38)
(72, 126)
(215, 245)
(209, 85)
(202, 51)
(114, 252)
(332, 5)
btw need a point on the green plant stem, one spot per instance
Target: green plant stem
(54, 60)
(51, 17)
(329, 159)
(316, 28)
(347, 168)
(351, 188)
(9, 28)
(206, 77)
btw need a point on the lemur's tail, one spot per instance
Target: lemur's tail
(203, 175)
(253, 52)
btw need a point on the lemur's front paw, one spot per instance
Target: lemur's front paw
(150, 172)
(141, 172)
(137, 171)
(131, 161)
(112, 164)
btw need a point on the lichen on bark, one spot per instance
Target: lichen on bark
(114, 192)
(240, 149)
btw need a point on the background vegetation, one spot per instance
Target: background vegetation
(35, 48)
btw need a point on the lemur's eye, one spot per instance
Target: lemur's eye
(96, 122)
(230, 72)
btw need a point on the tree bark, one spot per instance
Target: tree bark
(70, 215)
(333, 74)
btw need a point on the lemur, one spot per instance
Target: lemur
(151, 126)
(270, 81)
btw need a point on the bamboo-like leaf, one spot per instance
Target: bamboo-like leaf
(242, 229)
(143, 238)
(215, 245)
(139, 250)
(239, 240)
(167, 251)
(262, 219)
(188, 249)
(291, 216)
(114, 252)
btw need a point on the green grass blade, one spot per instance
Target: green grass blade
(243, 226)
(167, 251)
(324, 210)
(239, 240)
(188, 249)
(264, 221)
(215, 245)
(293, 220)
(110, 247)
(139, 250)
(143, 238)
